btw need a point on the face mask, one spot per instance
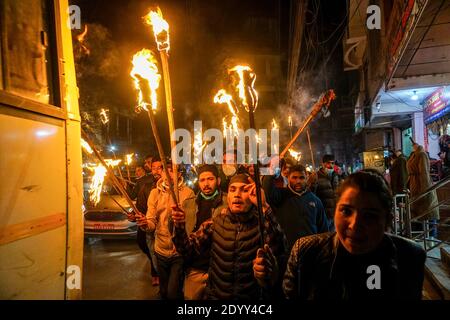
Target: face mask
(330, 171)
(229, 169)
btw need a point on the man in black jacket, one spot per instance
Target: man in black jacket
(233, 240)
(324, 183)
(399, 173)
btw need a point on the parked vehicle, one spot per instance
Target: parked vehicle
(108, 219)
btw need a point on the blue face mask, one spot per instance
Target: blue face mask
(209, 197)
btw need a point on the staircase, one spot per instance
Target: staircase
(437, 267)
(437, 274)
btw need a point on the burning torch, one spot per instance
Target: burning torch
(146, 80)
(129, 158)
(161, 33)
(323, 102)
(107, 166)
(249, 100)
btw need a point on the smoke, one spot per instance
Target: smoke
(95, 52)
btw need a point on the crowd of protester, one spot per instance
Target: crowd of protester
(322, 234)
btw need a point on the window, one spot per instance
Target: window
(28, 49)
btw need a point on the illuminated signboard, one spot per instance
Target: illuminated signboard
(435, 106)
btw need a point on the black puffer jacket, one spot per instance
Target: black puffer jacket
(234, 244)
(319, 268)
(324, 188)
(233, 241)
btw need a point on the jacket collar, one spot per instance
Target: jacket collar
(243, 217)
(218, 200)
(386, 243)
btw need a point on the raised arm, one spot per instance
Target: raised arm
(274, 194)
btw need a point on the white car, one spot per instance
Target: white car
(108, 218)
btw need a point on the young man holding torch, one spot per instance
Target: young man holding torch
(232, 238)
(158, 220)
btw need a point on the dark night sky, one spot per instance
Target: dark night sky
(203, 34)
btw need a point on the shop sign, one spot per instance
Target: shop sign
(435, 106)
(374, 160)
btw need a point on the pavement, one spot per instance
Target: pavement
(116, 270)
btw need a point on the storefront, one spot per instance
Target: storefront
(437, 123)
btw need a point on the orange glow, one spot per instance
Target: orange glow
(145, 68)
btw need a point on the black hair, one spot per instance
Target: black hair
(208, 168)
(369, 180)
(156, 159)
(297, 168)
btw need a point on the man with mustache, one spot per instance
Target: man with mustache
(210, 201)
(233, 240)
(299, 212)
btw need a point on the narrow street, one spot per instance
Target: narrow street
(116, 270)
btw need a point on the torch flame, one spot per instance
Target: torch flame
(234, 125)
(274, 124)
(231, 130)
(95, 190)
(160, 29)
(104, 116)
(223, 97)
(144, 67)
(112, 163)
(129, 158)
(86, 146)
(242, 86)
(80, 39)
(290, 121)
(258, 139)
(296, 155)
(198, 147)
